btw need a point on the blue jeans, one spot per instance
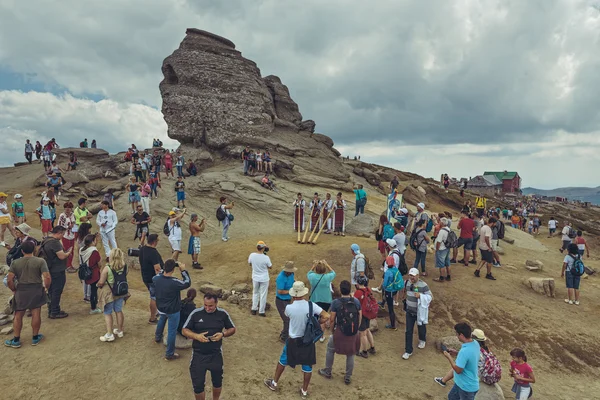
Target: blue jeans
(360, 206)
(442, 258)
(171, 331)
(420, 258)
(154, 189)
(179, 170)
(457, 393)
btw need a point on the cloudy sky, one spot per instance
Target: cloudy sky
(457, 86)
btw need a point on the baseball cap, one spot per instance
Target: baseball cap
(391, 242)
(261, 244)
(172, 213)
(389, 260)
(404, 210)
(355, 248)
(413, 272)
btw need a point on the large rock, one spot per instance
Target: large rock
(450, 342)
(361, 225)
(308, 125)
(241, 288)
(536, 264)
(212, 289)
(285, 108)
(543, 286)
(6, 331)
(412, 195)
(489, 392)
(181, 342)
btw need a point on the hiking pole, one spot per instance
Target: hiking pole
(322, 227)
(298, 221)
(316, 225)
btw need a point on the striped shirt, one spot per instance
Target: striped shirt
(411, 301)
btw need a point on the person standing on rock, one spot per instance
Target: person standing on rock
(320, 277)
(466, 226)
(180, 192)
(33, 276)
(466, 379)
(168, 302)
(442, 253)
(572, 280)
(284, 282)
(394, 184)
(67, 221)
(244, 155)
(421, 215)
(315, 216)
(328, 203)
(207, 326)
(418, 298)
(339, 216)
(267, 162)
(107, 221)
(194, 245)
(175, 232)
(365, 297)
(361, 199)
(141, 219)
(28, 151)
(111, 300)
(179, 163)
(157, 161)
(151, 263)
(224, 216)
(299, 206)
(56, 258)
(498, 227)
(294, 351)
(18, 210)
(38, 150)
(552, 226)
(260, 264)
(485, 249)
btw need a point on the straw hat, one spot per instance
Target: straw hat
(289, 267)
(23, 228)
(298, 289)
(478, 335)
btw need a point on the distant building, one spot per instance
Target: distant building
(511, 181)
(487, 185)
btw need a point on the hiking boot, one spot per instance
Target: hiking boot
(324, 374)
(372, 350)
(107, 338)
(406, 356)
(15, 344)
(476, 273)
(175, 356)
(363, 354)
(448, 278)
(440, 381)
(262, 314)
(388, 326)
(270, 383)
(36, 339)
(60, 315)
(197, 266)
(490, 277)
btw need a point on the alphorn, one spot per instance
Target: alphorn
(321, 230)
(299, 222)
(316, 225)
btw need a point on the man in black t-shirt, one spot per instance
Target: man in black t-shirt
(141, 219)
(151, 264)
(207, 326)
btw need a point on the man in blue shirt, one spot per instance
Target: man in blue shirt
(284, 282)
(361, 199)
(466, 380)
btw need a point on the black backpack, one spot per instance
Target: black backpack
(572, 233)
(221, 215)
(402, 267)
(347, 318)
(167, 229)
(452, 240)
(84, 271)
(500, 229)
(120, 286)
(312, 331)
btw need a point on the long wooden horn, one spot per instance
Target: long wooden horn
(323, 226)
(315, 227)
(306, 231)
(299, 222)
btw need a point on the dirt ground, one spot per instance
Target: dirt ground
(71, 362)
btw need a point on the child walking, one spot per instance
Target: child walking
(522, 374)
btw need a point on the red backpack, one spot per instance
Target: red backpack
(491, 371)
(369, 304)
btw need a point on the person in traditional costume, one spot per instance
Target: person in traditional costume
(329, 204)
(339, 216)
(299, 206)
(315, 215)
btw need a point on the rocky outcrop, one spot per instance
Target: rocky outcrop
(286, 109)
(489, 392)
(543, 286)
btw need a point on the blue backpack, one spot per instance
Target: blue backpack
(578, 268)
(398, 283)
(429, 226)
(388, 232)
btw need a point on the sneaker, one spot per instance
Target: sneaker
(86, 299)
(96, 311)
(473, 262)
(576, 302)
(347, 380)
(262, 314)
(476, 273)
(118, 332)
(324, 373)
(448, 278)
(372, 350)
(460, 261)
(303, 394)
(396, 304)
(406, 356)
(224, 239)
(569, 302)
(270, 383)
(376, 290)
(421, 344)
(440, 381)
(363, 354)
(322, 339)
(36, 341)
(497, 265)
(388, 326)
(107, 338)
(60, 315)
(15, 344)
(253, 312)
(453, 261)
(490, 277)
(175, 356)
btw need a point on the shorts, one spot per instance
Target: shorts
(480, 212)
(180, 196)
(552, 230)
(442, 258)
(143, 229)
(307, 369)
(175, 244)
(495, 244)
(115, 305)
(467, 242)
(324, 306)
(487, 256)
(581, 252)
(201, 363)
(566, 244)
(572, 280)
(194, 245)
(364, 324)
(382, 246)
(134, 197)
(46, 225)
(157, 168)
(151, 290)
(473, 245)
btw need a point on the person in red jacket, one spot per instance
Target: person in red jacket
(367, 344)
(90, 255)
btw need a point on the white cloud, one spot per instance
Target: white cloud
(41, 116)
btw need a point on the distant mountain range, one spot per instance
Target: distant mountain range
(572, 193)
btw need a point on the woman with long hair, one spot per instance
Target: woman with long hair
(67, 221)
(133, 188)
(168, 160)
(90, 255)
(320, 277)
(109, 302)
(85, 228)
(187, 306)
(385, 231)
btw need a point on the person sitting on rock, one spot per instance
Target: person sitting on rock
(267, 183)
(72, 165)
(191, 169)
(267, 163)
(128, 155)
(94, 145)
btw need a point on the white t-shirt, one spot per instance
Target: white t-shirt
(260, 267)
(400, 239)
(441, 238)
(3, 208)
(298, 315)
(174, 230)
(530, 223)
(483, 232)
(358, 265)
(565, 234)
(552, 224)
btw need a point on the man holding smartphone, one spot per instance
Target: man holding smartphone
(168, 301)
(207, 326)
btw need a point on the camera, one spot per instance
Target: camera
(266, 250)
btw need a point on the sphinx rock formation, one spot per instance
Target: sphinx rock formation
(215, 102)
